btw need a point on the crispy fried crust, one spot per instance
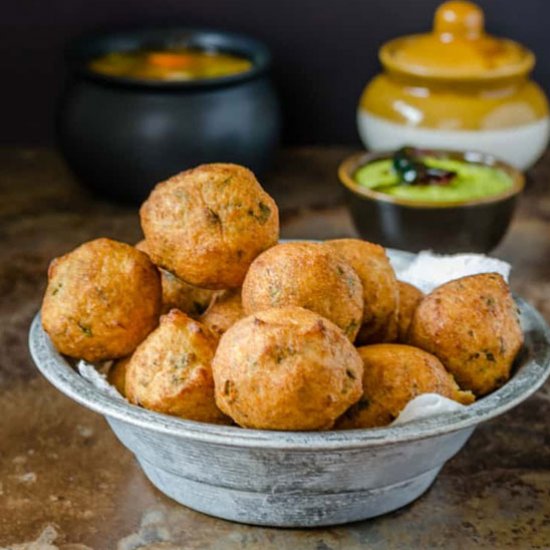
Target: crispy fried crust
(471, 325)
(117, 375)
(394, 374)
(308, 275)
(102, 300)
(171, 372)
(409, 298)
(286, 369)
(224, 311)
(380, 293)
(177, 294)
(206, 225)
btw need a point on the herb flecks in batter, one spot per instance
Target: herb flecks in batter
(280, 354)
(229, 390)
(213, 217)
(351, 282)
(180, 194)
(184, 360)
(351, 328)
(56, 289)
(85, 329)
(265, 212)
(263, 215)
(274, 294)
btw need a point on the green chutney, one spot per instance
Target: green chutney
(472, 181)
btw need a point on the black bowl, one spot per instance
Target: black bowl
(123, 135)
(467, 226)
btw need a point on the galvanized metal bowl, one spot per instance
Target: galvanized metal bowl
(297, 479)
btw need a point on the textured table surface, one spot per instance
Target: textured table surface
(65, 481)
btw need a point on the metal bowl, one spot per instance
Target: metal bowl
(297, 479)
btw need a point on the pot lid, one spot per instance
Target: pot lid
(457, 48)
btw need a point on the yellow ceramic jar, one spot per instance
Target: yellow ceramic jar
(456, 88)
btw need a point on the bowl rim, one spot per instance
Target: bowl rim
(79, 52)
(533, 372)
(351, 164)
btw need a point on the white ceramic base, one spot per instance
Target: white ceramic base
(520, 146)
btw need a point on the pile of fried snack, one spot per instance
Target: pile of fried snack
(210, 319)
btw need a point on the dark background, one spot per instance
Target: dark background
(324, 50)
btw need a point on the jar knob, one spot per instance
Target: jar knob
(458, 19)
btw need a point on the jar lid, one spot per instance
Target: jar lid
(457, 48)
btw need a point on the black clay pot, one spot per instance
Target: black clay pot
(469, 226)
(121, 136)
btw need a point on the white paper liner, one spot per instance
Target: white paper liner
(427, 271)
(97, 379)
(426, 405)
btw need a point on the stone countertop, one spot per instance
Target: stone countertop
(66, 483)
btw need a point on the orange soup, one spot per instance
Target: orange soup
(174, 64)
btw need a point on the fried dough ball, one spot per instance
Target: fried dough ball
(102, 300)
(471, 325)
(380, 293)
(393, 375)
(224, 311)
(206, 225)
(170, 372)
(308, 275)
(286, 369)
(117, 375)
(177, 294)
(409, 298)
